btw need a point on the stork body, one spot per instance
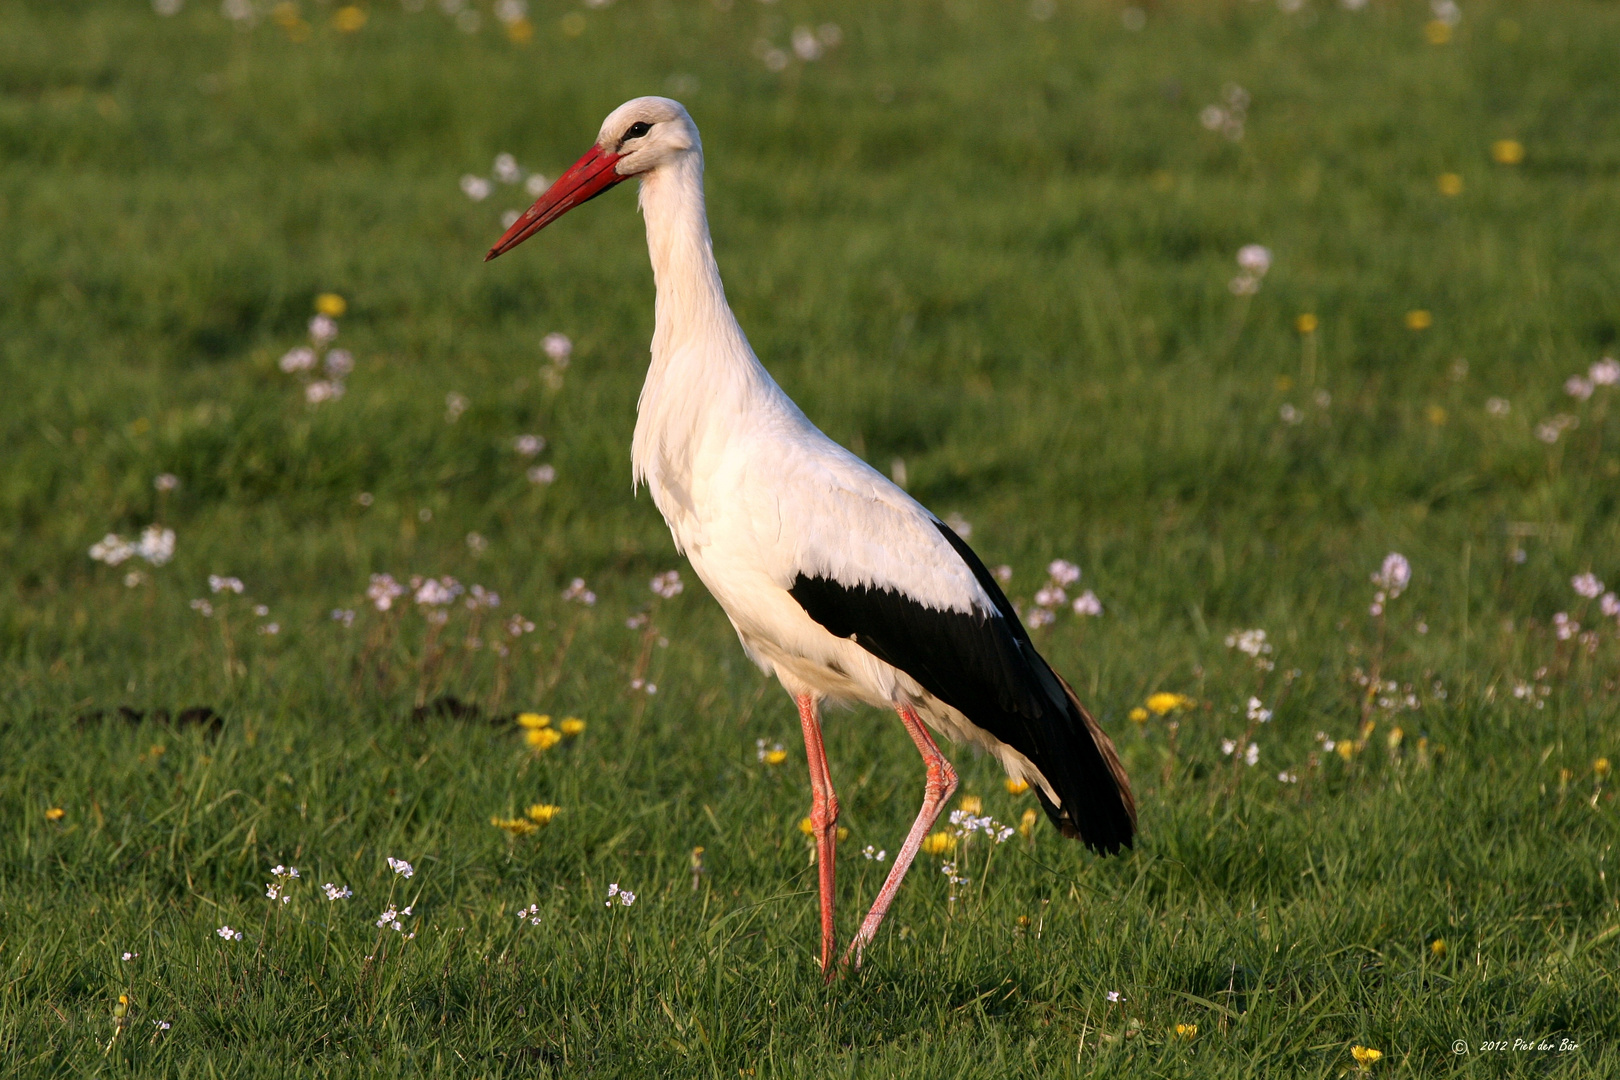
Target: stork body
(837, 582)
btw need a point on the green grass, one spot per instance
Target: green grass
(993, 246)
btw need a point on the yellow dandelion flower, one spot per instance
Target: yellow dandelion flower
(1305, 323)
(1435, 415)
(1507, 151)
(971, 804)
(1394, 738)
(1450, 183)
(938, 843)
(1437, 31)
(520, 31)
(55, 813)
(1284, 383)
(1187, 1031)
(286, 14)
(1437, 948)
(514, 826)
(331, 304)
(843, 834)
(1015, 787)
(1419, 319)
(1026, 824)
(1365, 1055)
(774, 757)
(533, 720)
(807, 826)
(542, 738)
(1345, 749)
(1139, 714)
(572, 726)
(1600, 768)
(542, 813)
(346, 20)
(1164, 702)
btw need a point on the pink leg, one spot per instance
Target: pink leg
(941, 785)
(823, 821)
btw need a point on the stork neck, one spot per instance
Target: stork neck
(691, 306)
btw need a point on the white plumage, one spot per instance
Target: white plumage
(837, 582)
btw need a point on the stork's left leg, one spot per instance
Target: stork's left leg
(941, 785)
(823, 822)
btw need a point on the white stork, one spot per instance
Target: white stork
(838, 582)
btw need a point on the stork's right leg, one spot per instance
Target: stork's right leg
(823, 822)
(941, 784)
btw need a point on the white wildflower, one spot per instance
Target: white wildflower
(228, 934)
(337, 892)
(1249, 642)
(112, 550)
(1578, 388)
(1258, 712)
(1587, 585)
(1063, 571)
(383, 591)
(1394, 575)
(323, 390)
(1050, 596)
(506, 167)
(339, 363)
(166, 482)
(1254, 259)
(475, 188)
(436, 592)
(578, 593)
(299, 359)
(1497, 406)
(542, 474)
(623, 896)
(1251, 756)
(528, 445)
(1087, 604)
(805, 44)
(558, 347)
(218, 583)
(323, 329)
(668, 584)
(1606, 372)
(401, 867)
(156, 545)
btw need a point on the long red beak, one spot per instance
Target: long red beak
(585, 180)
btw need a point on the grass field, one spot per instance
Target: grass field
(994, 242)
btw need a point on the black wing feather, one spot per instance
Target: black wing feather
(986, 667)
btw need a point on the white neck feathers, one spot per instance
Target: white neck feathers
(702, 364)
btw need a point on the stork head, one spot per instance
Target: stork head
(636, 138)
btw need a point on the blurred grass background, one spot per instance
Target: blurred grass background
(990, 240)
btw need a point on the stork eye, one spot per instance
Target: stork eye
(637, 130)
